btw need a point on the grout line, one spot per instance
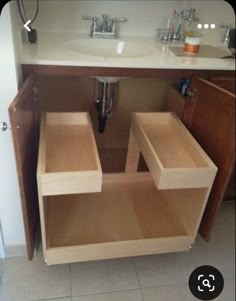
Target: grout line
(70, 281)
(167, 285)
(53, 299)
(104, 293)
(136, 272)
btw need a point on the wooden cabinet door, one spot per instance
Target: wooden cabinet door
(209, 114)
(228, 83)
(23, 117)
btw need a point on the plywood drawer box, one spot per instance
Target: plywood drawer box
(68, 158)
(129, 217)
(173, 156)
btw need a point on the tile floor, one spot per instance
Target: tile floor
(146, 278)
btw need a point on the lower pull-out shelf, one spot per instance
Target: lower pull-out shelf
(127, 218)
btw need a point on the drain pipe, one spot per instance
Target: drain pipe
(102, 117)
(105, 101)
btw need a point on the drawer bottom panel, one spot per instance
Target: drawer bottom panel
(125, 219)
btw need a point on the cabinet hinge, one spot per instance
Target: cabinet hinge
(191, 94)
(35, 93)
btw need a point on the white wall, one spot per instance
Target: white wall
(2, 252)
(10, 207)
(143, 16)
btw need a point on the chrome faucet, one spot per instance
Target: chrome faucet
(106, 28)
(226, 35)
(105, 25)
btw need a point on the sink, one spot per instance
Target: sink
(110, 48)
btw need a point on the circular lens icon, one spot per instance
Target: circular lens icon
(206, 283)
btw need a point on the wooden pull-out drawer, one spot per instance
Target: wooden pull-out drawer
(68, 157)
(129, 217)
(173, 156)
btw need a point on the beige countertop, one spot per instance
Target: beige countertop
(54, 48)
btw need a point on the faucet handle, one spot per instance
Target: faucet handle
(105, 16)
(228, 26)
(94, 19)
(115, 20)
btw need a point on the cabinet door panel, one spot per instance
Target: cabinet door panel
(210, 117)
(23, 117)
(228, 83)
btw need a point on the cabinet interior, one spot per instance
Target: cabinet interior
(88, 213)
(121, 212)
(78, 94)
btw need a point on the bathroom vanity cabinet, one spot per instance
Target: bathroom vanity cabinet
(88, 214)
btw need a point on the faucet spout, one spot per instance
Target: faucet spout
(107, 28)
(226, 38)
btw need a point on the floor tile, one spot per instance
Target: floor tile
(164, 269)
(25, 280)
(103, 276)
(168, 293)
(218, 252)
(133, 295)
(182, 292)
(228, 293)
(226, 215)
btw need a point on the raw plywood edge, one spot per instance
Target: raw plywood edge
(40, 172)
(133, 153)
(94, 144)
(42, 146)
(147, 149)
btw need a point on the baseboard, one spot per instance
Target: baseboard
(15, 250)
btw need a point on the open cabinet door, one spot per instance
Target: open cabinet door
(209, 114)
(228, 83)
(24, 126)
